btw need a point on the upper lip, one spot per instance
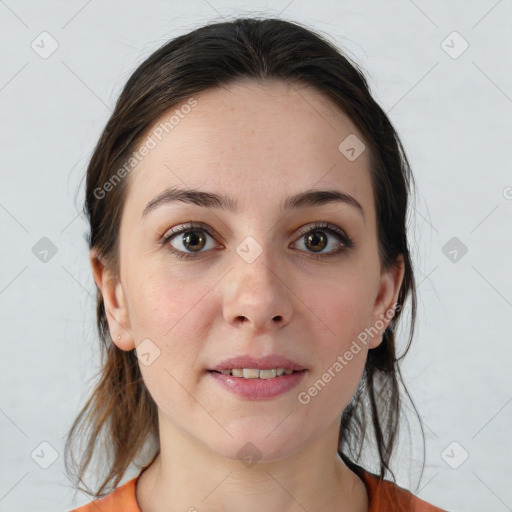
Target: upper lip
(261, 363)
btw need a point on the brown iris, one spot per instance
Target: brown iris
(317, 239)
(194, 240)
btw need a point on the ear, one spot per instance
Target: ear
(385, 302)
(114, 301)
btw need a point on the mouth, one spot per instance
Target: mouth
(254, 373)
(257, 384)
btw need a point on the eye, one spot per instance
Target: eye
(188, 239)
(321, 235)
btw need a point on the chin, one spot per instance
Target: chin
(255, 441)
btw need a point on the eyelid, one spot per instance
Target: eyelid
(191, 225)
(324, 225)
(302, 231)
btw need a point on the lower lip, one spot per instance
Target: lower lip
(258, 389)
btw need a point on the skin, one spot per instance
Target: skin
(258, 143)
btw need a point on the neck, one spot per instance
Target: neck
(188, 476)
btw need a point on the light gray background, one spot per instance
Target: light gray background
(454, 116)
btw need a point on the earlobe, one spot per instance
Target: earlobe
(386, 300)
(114, 302)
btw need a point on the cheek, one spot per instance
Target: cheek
(161, 305)
(342, 345)
(344, 309)
(341, 353)
(165, 312)
(170, 312)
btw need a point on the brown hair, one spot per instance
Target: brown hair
(120, 410)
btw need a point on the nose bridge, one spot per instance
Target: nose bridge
(256, 292)
(257, 264)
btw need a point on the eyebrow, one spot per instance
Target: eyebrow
(304, 199)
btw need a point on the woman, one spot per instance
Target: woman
(247, 202)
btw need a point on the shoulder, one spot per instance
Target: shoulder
(385, 495)
(121, 499)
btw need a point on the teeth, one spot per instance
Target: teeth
(254, 373)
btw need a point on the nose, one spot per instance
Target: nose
(256, 296)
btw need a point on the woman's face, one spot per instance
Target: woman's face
(251, 282)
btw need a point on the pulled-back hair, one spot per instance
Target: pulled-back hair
(120, 411)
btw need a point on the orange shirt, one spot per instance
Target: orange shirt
(384, 496)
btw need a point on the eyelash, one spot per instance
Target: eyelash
(324, 226)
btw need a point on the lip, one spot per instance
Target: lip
(258, 389)
(262, 363)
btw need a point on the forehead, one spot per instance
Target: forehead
(253, 141)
